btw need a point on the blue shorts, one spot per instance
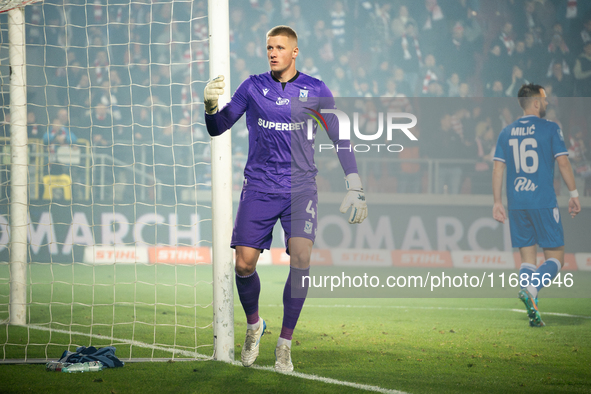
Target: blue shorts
(258, 212)
(536, 226)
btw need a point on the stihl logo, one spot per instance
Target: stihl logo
(115, 254)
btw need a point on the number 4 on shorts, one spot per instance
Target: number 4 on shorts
(310, 210)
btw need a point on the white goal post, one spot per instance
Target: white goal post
(221, 174)
(19, 166)
(80, 249)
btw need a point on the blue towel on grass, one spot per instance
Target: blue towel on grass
(83, 354)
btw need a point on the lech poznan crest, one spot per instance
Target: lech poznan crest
(303, 95)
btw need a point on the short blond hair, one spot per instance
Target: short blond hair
(283, 30)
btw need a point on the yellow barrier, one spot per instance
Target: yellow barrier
(62, 181)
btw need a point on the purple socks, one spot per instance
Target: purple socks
(249, 288)
(294, 295)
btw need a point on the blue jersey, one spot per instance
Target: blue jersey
(529, 147)
(280, 154)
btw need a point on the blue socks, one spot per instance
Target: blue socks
(547, 271)
(525, 272)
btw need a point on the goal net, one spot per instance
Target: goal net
(7, 5)
(119, 232)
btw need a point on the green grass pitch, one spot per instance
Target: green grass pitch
(418, 345)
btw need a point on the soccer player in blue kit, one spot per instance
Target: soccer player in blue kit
(279, 180)
(528, 148)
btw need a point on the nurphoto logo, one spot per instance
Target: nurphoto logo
(392, 119)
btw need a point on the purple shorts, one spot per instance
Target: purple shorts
(258, 212)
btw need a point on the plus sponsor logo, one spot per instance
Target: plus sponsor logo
(522, 184)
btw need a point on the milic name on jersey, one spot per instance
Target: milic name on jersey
(281, 126)
(522, 131)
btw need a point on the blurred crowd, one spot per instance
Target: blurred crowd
(470, 49)
(128, 76)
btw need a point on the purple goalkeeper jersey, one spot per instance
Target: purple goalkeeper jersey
(280, 155)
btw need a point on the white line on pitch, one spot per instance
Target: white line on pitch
(120, 340)
(434, 308)
(204, 357)
(556, 314)
(317, 378)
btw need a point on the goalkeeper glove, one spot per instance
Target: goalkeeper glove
(213, 90)
(354, 198)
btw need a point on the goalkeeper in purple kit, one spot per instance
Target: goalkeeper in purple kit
(279, 180)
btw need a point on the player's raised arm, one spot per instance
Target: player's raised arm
(213, 90)
(219, 120)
